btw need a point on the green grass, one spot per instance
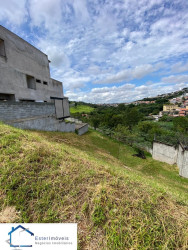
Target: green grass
(81, 109)
(119, 201)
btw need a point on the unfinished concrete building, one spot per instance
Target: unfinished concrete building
(29, 97)
(24, 71)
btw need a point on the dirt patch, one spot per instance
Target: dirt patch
(9, 215)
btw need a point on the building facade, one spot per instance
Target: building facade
(170, 107)
(24, 71)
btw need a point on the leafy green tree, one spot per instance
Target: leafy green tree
(162, 100)
(155, 111)
(181, 124)
(121, 106)
(149, 130)
(166, 118)
(115, 120)
(132, 117)
(147, 126)
(123, 134)
(95, 122)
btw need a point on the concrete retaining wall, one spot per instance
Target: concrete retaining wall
(19, 110)
(182, 162)
(82, 128)
(43, 123)
(171, 155)
(164, 153)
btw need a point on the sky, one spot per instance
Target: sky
(107, 51)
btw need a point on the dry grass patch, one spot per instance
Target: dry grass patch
(9, 215)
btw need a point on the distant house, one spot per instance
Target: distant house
(174, 110)
(16, 240)
(143, 102)
(186, 103)
(170, 107)
(183, 111)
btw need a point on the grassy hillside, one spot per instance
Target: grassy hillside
(119, 201)
(81, 108)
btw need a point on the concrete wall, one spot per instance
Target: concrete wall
(164, 153)
(19, 110)
(81, 129)
(22, 59)
(170, 155)
(182, 162)
(43, 123)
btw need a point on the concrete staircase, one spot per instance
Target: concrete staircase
(80, 128)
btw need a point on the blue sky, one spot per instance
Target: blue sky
(107, 51)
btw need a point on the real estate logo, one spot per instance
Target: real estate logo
(20, 237)
(38, 236)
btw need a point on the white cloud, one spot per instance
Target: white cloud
(142, 70)
(13, 12)
(137, 35)
(179, 67)
(45, 13)
(113, 89)
(75, 83)
(111, 41)
(86, 33)
(160, 26)
(55, 53)
(176, 79)
(72, 80)
(80, 8)
(129, 74)
(124, 93)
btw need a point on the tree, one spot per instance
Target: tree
(95, 122)
(121, 106)
(155, 111)
(123, 134)
(181, 124)
(162, 100)
(115, 120)
(146, 126)
(132, 117)
(149, 130)
(166, 118)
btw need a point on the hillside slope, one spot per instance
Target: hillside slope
(119, 201)
(81, 108)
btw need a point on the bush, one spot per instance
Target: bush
(166, 118)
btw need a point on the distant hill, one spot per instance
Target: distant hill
(119, 201)
(168, 95)
(162, 97)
